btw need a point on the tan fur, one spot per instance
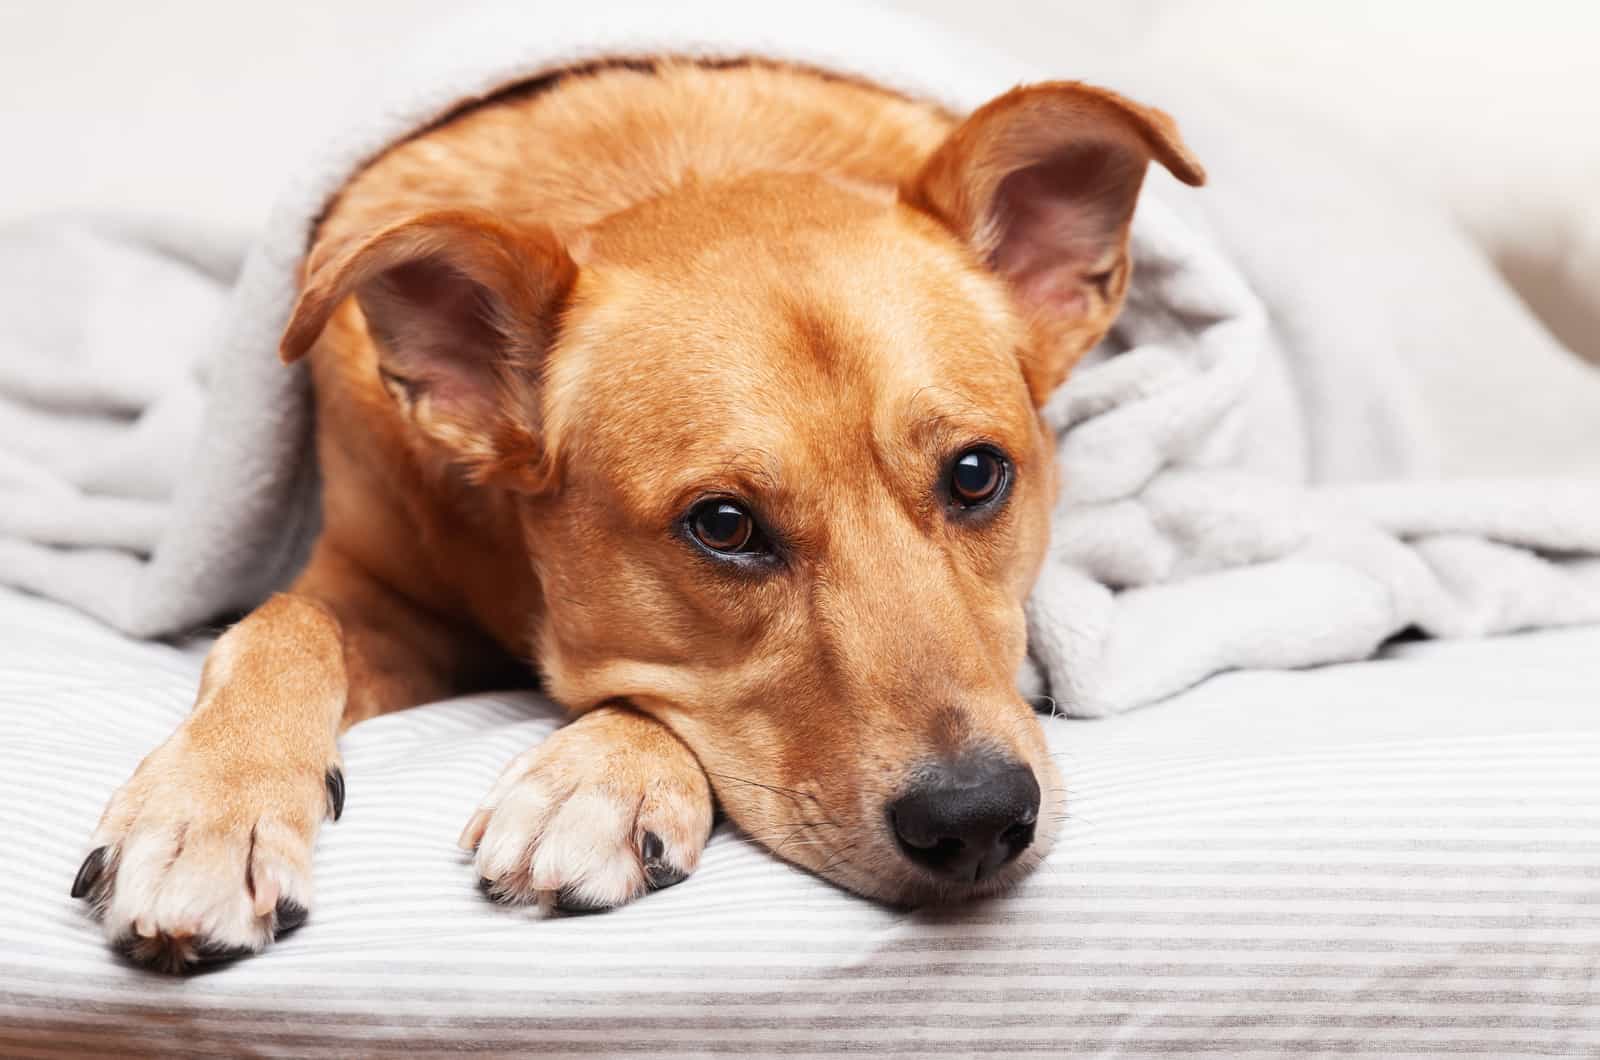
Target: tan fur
(538, 333)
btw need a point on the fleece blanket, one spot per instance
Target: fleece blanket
(1321, 421)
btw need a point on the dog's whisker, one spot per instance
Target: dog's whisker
(787, 841)
(774, 788)
(799, 829)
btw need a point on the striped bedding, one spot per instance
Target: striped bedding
(1392, 858)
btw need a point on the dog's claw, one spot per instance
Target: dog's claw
(288, 915)
(89, 872)
(656, 870)
(335, 782)
(567, 901)
(210, 955)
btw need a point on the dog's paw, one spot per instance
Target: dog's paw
(607, 808)
(202, 857)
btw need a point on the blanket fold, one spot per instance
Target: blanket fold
(1322, 419)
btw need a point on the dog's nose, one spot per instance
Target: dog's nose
(963, 820)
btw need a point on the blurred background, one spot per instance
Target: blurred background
(198, 109)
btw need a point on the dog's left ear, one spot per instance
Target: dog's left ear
(1042, 183)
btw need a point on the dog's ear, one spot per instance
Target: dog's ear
(1042, 183)
(462, 308)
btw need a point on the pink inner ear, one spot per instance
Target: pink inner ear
(1061, 222)
(434, 327)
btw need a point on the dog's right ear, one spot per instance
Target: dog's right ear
(462, 308)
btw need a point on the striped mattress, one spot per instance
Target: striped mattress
(1392, 858)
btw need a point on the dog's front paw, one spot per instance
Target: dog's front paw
(205, 856)
(607, 808)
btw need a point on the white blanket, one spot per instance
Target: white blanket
(1322, 419)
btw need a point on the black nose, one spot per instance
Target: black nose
(963, 820)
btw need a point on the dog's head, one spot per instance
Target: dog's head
(785, 484)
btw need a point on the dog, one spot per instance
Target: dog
(711, 391)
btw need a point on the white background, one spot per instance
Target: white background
(198, 107)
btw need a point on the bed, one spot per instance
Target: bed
(1398, 857)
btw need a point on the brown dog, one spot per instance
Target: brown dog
(713, 389)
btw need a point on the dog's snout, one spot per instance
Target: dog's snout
(963, 820)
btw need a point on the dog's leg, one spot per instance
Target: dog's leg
(205, 854)
(609, 807)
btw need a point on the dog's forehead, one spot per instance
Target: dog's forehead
(779, 349)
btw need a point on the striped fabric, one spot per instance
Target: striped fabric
(1393, 858)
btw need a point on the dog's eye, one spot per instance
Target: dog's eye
(976, 477)
(723, 526)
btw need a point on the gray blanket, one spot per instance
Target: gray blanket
(1322, 420)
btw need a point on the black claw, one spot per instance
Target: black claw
(126, 946)
(568, 902)
(656, 870)
(486, 885)
(663, 876)
(210, 954)
(89, 872)
(652, 848)
(290, 915)
(335, 782)
(165, 955)
(149, 953)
